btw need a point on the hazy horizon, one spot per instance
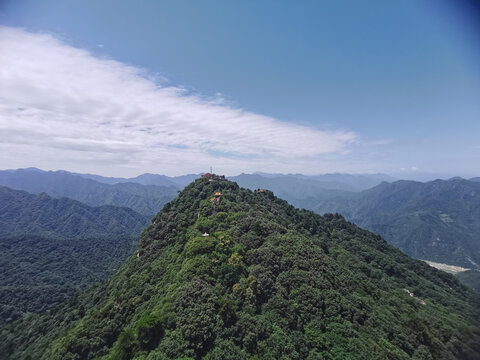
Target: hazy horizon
(398, 176)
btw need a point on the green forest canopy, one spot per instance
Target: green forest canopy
(269, 282)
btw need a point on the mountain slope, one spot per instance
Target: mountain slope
(51, 248)
(268, 282)
(23, 213)
(437, 220)
(470, 278)
(143, 199)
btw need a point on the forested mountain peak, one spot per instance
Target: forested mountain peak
(228, 273)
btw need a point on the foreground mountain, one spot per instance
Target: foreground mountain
(145, 199)
(51, 248)
(437, 220)
(265, 281)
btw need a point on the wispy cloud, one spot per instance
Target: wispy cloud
(61, 105)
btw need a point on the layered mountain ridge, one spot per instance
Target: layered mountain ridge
(227, 273)
(145, 199)
(436, 220)
(22, 213)
(51, 248)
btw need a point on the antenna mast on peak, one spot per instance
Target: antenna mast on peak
(211, 171)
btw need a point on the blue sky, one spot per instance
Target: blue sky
(387, 86)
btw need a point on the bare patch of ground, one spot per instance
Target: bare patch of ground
(452, 269)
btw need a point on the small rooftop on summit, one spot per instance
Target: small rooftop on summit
(213, 177)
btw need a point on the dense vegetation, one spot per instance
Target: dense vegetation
(23, 213)
(51, 248)
(437, 220)
(39, 273)
(470, 278)
(269, 282)
(145, 199)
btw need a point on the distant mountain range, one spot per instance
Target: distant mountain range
(145, 199)
(147, 193)
(50, 248)
(307, 191)
(145, 179)
(437, 220)
(282, 182)
(345, 182)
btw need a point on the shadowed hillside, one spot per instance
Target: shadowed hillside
(51, 248)
(437, 220)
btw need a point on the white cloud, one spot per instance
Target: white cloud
(61, 107)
